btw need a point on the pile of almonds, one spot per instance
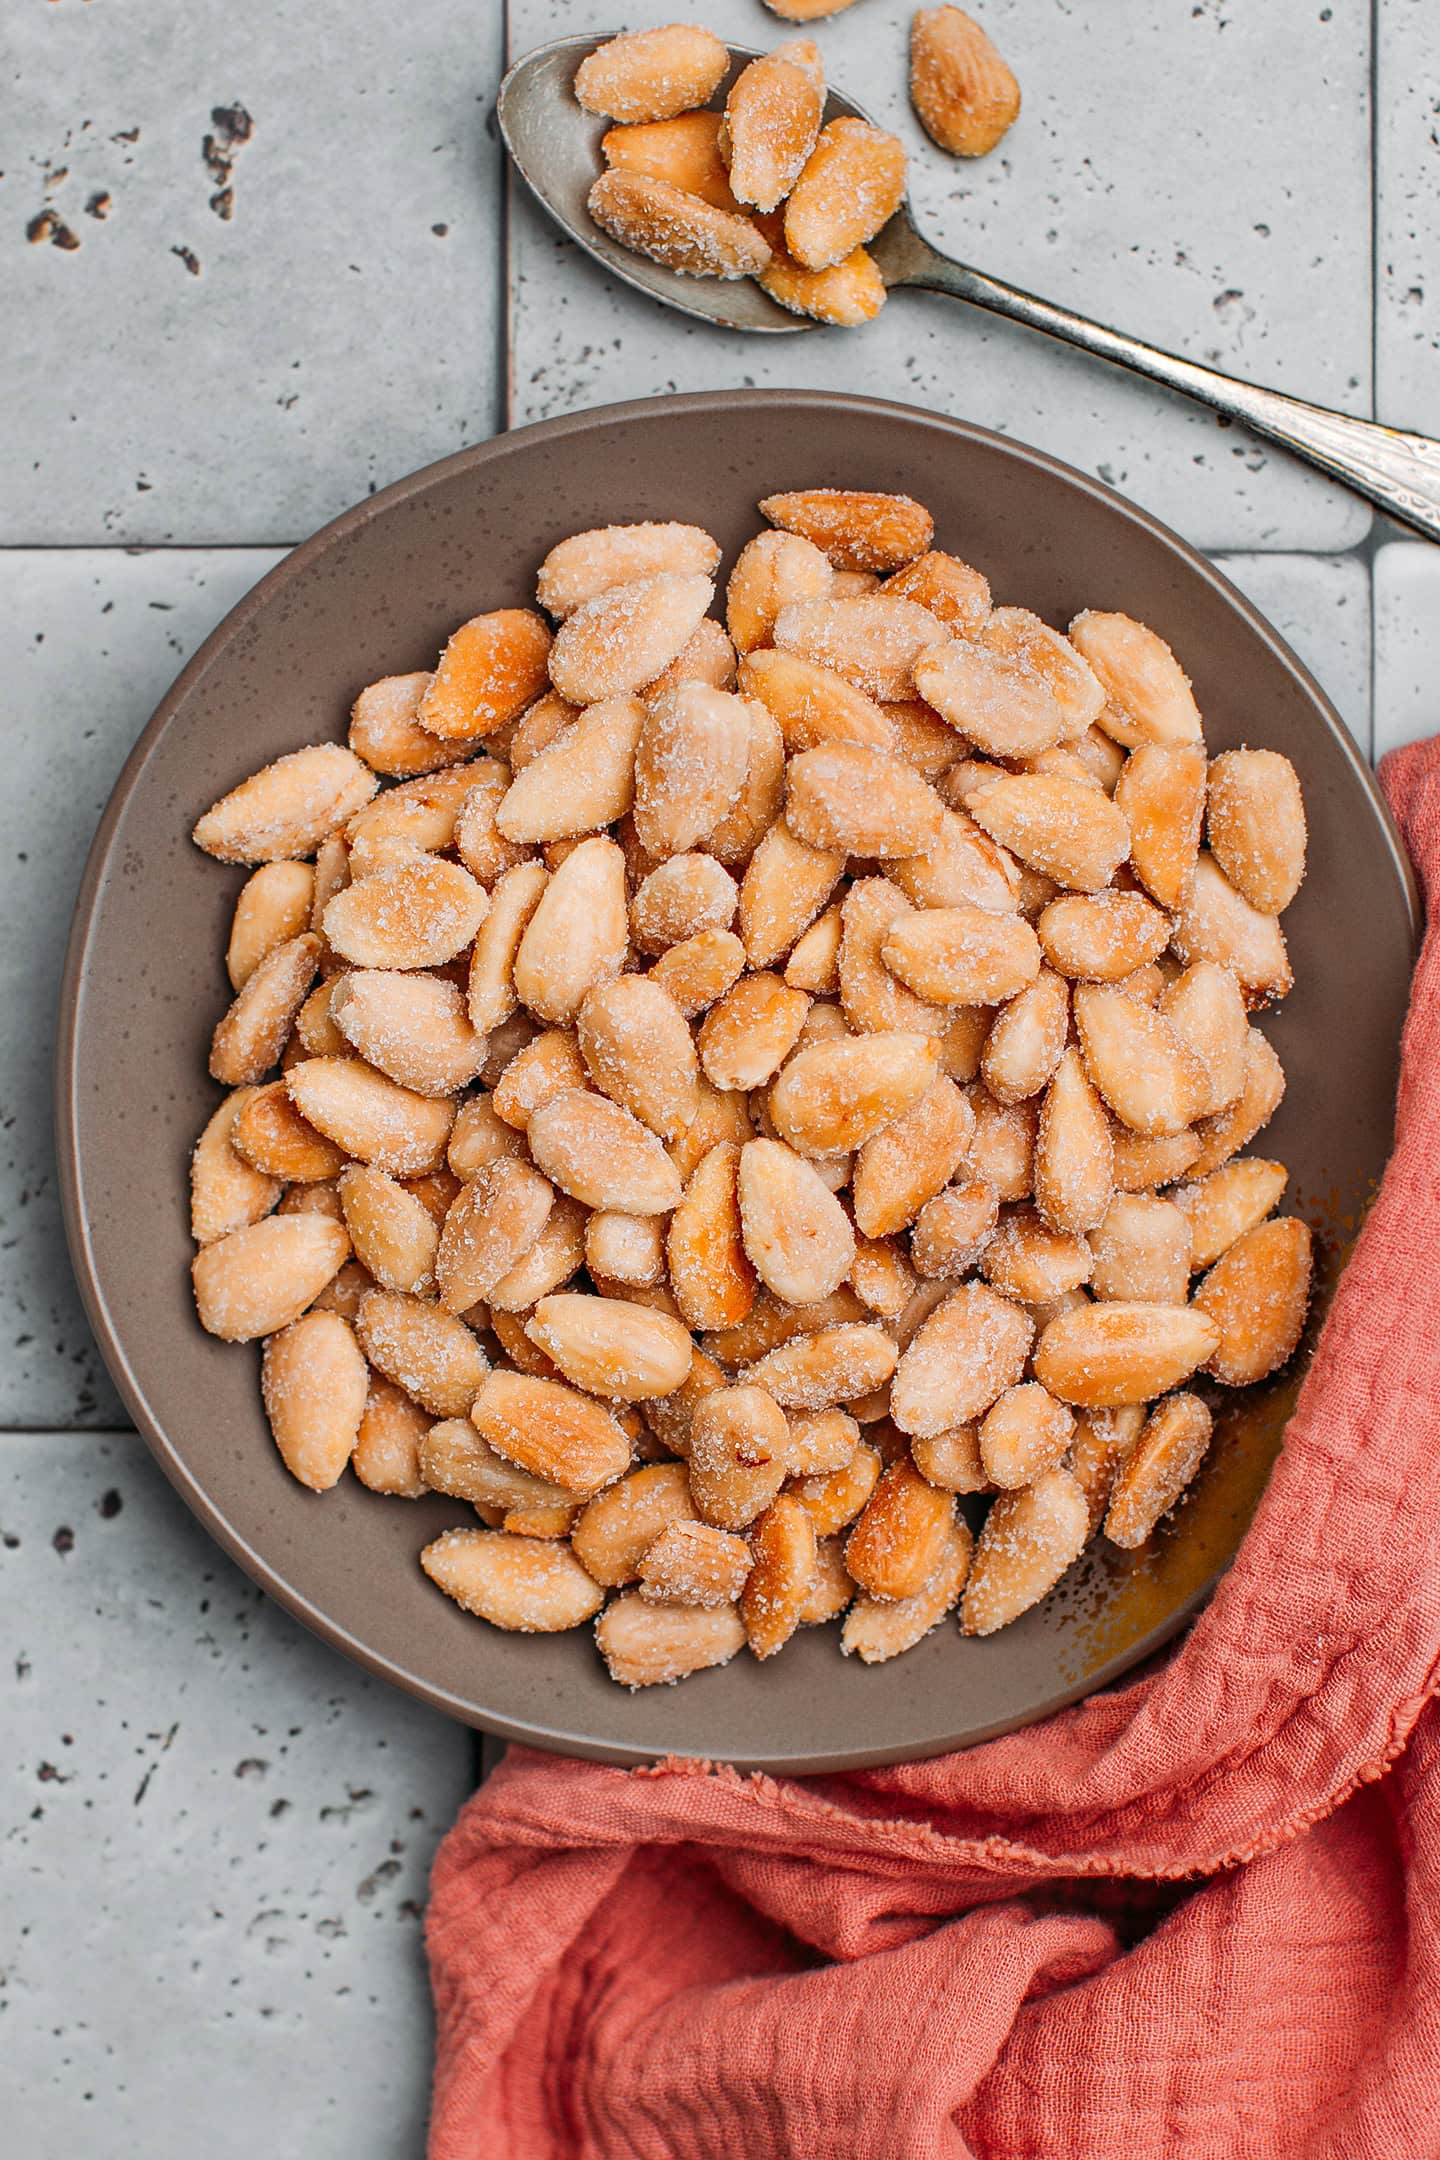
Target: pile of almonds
(707, 1095)
(765, 188)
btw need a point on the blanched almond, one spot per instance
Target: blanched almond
(855, 530)
(652, 74)
(581, 781)
(601, 1155)
(952, 1230)
(578, 934)
(490, 1226)
(693, 1563)
(680, 898)
(273, 907)
(479, 842)
(710, 1273)
(1142, 1251)
(368, 1116)
(852, 184)
(1023, 1435)
(722, 1115)
(285, 810)
(1223, 1136)
(772, 117)
(771, 1321)
(492, 993)
(1218, 923)
(784, 1560)
(689, 763)
(575, 570)
(996, 700)
(860, 801)
(645, 1644)
(785, 886)
(392, 1233)
(1022, 637)
(909, 1160)
(951, 1460)
(954, 593)
(897, 1543)
(346, 1287)
(420, 813)
(1104, 936)
(962, 867)
(226, 1192)
(1103, 1439)
(1066, 829)
(1074, 1152)
(414, 1028)
(416, 914)
(479, 1136)
(532, 1586)
(877, 1629)
(1158, 1469)
(547, 1066)
(1024, 1046)
(739, 833)
(1002, 1147)
(1222, 1206)
(1100, 1355)
(1147, 1073)
(796, 1235)
(386, 1454)
(972, 1347)
(1205, 1007)
(833, 1365)
(1031, 1261)
(617, 1528)
(875, 1001)
(1149, 692)
(540, 725)
(707, 656)
(551, 1430)
(248, 1041)
(849, 292)
(836, 1095)
(835, 1498)
(737, 1455)
(1257, 1294)
(682, 231)
(821, 1441)
(747, 1035)
(874, 640)
(1256, 825)
(882, 1277)
(699, 969)
(621, 639)
(638, 1051)
(1162, 794)
(313, 1383)
(1028, 1540)
(812, 705)
(491, 669)
(556, 1255)
(386, 734)
(772, 570)
(455, 1460)
(964, 93)
(429, 1353)
(685, 151)
(815, 962)
(962, 955)
(611, 1347)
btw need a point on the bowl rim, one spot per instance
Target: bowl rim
(334, 534)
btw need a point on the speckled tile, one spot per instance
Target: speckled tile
(1407, 644)
(216, 1837)
(176, 373)
(1407, 323)
(1320, 604)
(1199, 175)
(89, 641)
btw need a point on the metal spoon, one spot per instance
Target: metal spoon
(555, 144)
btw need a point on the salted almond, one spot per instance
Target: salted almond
(953, 1229)
(419, 815)
(414, 1028)
(645, 1644)
(1103, 1439)
(315, 1029)
(652, 74)
(772, 570)
(707, 657)
(345, 1289)
(1142, 1163)
(771, 1321)
(1158, 1469)
(772, 117)
(226, 1192)
(962, 955)
(785, 885)
(1027, 1259)
(881, 1276)
(1028, 1540)
(492, 994)
(386, 1454)
(951, 1460)
(419, 913)
(429, 1353)
(601, 1155)
(313, 1384)
(1023, 1435)
(971, 1348)
(685, 233)
(965, 95)
(638, 1051)
(859, 800)
(835, 1498)
(910, 1159)
(491, 669)
(874, 1000)
(435, 1189)
(833, 1365)
(386, 734)
(962, 867)
(479, 842)
(617, 1528)
(271, 1135)
(1221, 1207)
(1024, 1046)
(1100, 1355)
(737, 1455)
(667, 1418)
(392, 1232)
(255, 1280)
(1257, 1295)
(852, 183)
(874, 641)
(1205, 1007)
(680, 898)
(747, 1035)
(994, 699)
(547, 1066)
(587, 563)
(611, 1347)
(273, 907)
(551, 1430)
(1142, 1251)
(699, 969)
(621, 639)
(1149, 694)
(897, 1543)
(368, 1116)
(796, 1235)
(1146, 1071)
(556, 1256)
(1223, 1136)
(812, 705)
(456, 1461)
(1043, 654)
(479, 1136)
(710, 1273)
(853, 529)
(1256, 826)
(922, 739)
(762, 791)
(1103, 936)
(693, 1563)
(848, 293)
(532, 1586)
(836, 1095)
(689, 764)
(1002, 1146)
(584, 779)
(490, 1226)
(1218, 923)
(285, 810)
(954, 593)
(578, 934)
(815, 962)
(685, 151)
(248, 1041)
(1074, 1171)
(783, 1563)
(538, 726)
(877, 1629)
(1064, 828)
(1162, 794)
(821, 1441)
(724, 1114)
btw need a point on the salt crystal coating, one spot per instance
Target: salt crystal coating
(772, 118)
(964, 93)
(689, 764)
(588, 563)
(1028, 1540)
(622, 638)
(681, 898)
(1158, 1468)
(531, 1585)
(685, 233)
(287, 809)
(684, 150)
(874, 640)
(492, 668)
(852, 184)
(651, 74)
(416, 914)
(581, 781)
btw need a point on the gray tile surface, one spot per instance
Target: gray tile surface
(216, 1837)
(1407, 644)
(1320, 604)
(89, 640)
(328, 340)
(1199, 175)
(1407, 324)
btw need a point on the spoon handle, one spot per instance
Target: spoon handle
(1399, 472)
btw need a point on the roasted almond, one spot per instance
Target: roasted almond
(645, 1644)
(1146, 1071)
(386, 1455)
(852, 184)
(1074, 1171)
(610, 1347)
(1030, 1260)
(617, 1528)
(783, 1562)
(772, 117)
(972, 1347)
(533, 1586)
(834, 1365)
(1142, 1251)
(248, 1041)
(747, 1035)
(1065, 828)
(547, 1066)
(963, 92)
(1222, 1206)
(772, 570)
(955, 594)
(737, 1455)
(679, 899)
(1102, 937)
(991, 698)
(859, 801)
(1218, 923)
(1205, 1007)
(951, 1460)
(689, 763)
(587, 563)
(1023, 1435)
(387, 735)
(638, 1051)
(620, 639)
(785, 885)
(952, 1230)
(652, 74)
(910, 1159)
(392, 1232)
(1149, 693)
(1256, 826)
(1024, 1045)
(372, 1119)
(285, 810)
(551, 1430)
(1002, 1146)
(874, 640)
(812, 705)
(875, 1002)
(601, 1155)
(578, 934)
(1223, 1136)
(415, 1028)
(962, 955)
(814, 964)
(693, 1563)
(739, 833)
(897, 1543)
(1257, 1295)
(491, 669)
(684, 150)
(490, 1226)
(492, 995)
(1162, 794)
(417, 914)
(710, 1273)
(429, 1353)
(584, 779)
(682, 231)
(313, 1383)
(226, 1192)
(1099, 1355)
(273, 907)
(797, 1236)
(1028, 1540)
(877, 1629)
(853, 529)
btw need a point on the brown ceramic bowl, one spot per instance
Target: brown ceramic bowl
(376, 593)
